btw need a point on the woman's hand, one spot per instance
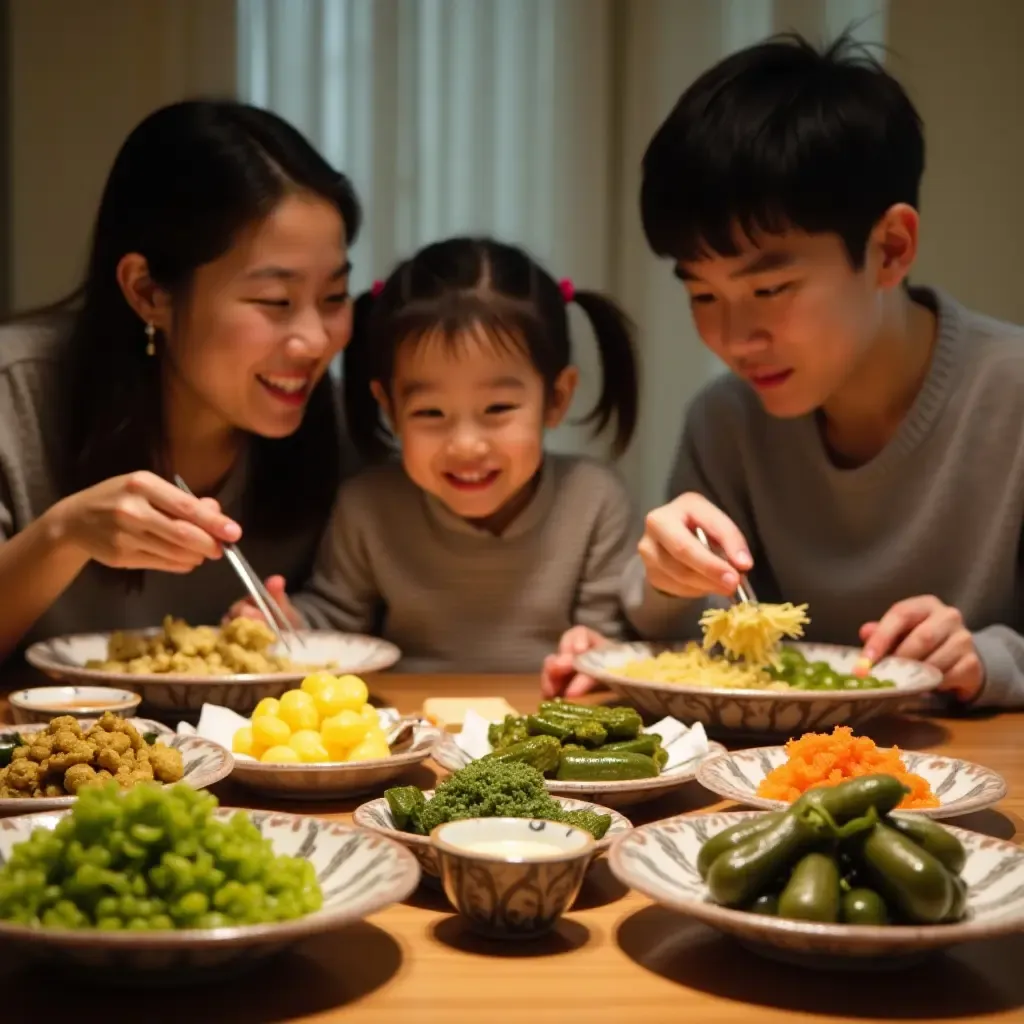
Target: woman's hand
(246, 608)
(675, 560)
(925, 629)
(141, 521)
(558, 677)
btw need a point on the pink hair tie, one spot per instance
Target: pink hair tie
(376, 288)
(567, 288)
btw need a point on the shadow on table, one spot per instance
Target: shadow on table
(568, 935)
(331, 970)
(975, 979)
(990, 822)
(600, 887)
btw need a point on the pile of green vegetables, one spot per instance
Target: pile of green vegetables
(838, 855)
(799, 673)
(578, 743)
(152, 858)
(486, 789)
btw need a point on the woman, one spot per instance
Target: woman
(215, 298)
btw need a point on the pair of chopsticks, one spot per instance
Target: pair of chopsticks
(276, 619)
(744, 591)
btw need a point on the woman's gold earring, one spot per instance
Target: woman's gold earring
(150, 342)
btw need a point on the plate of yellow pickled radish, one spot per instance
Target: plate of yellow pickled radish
(319, 741)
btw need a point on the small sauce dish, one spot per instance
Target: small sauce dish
(511, 878)
(41, 703)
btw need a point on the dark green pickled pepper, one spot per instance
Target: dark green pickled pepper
(766, 905)
(539, 725)
(403, 802)
(931, 836)
(909, 878)
(863, 906)
(644, 744)
(959, 905)
(812, 892)
(733, 836)
(744, 871)
(855, 797)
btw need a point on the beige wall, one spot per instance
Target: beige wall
(82, 73)
(961, 62)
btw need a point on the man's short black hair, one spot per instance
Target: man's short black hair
(781, 135)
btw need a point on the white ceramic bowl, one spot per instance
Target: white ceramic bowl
(64, 658)
(376, 815)
(39, 704)
(204, 762)
(512, 895)
(625, 793)
(334, 779)
(770, 712)
(659, 860)
(360, 873)
(961, 786)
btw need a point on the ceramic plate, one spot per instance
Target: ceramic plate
(335, 779)
(961, 786)
(626, 793)
(205, 763)
(64, 658)
(360, 873)
(659, 860)
(774, 712)
(376, 815)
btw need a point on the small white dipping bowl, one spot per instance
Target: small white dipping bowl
(511, 878)
(41, 703)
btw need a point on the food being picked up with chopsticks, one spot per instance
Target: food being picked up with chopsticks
(829, 759)
(486, 789)
(749, 634)
(839, 855)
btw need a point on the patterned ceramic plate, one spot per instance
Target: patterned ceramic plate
(660, 859)
(775, 712)
(65, 657)
(205, 763)
(624, 793)
(961, 786)
(334, 779)
(360, 873)
(376, 815)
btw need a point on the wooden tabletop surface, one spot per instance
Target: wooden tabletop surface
(616, 958)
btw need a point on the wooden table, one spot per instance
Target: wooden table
(616, 958)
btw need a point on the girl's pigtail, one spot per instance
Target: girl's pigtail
(362, 414)
(620, 386)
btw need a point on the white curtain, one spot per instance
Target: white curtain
(525, 119)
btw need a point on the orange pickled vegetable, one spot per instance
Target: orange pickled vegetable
(823, 759)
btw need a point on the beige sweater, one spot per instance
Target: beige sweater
(454, 598)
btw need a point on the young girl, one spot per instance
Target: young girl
(478, 550)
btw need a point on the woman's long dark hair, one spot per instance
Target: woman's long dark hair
(454, 285)
(185, 183)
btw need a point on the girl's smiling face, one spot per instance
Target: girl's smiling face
(470, 414)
